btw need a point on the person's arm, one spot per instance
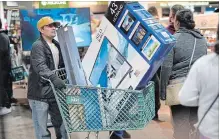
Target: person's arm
(5, 52)
(38, 61)
(189, 94)
(166, 70)
(4, 59)
(4, 44)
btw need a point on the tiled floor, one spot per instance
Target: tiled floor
(18, 124)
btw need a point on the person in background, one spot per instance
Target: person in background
(5, 70)
(45, 57)
(152, 10)
(201, 88)
(173, 11)
(177, 65)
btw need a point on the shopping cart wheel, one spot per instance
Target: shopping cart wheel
(97, 135)
(111, 132)
(87, 135)
(69, 136)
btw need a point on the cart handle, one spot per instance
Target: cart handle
(51, 84)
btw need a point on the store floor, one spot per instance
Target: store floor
(18, 124)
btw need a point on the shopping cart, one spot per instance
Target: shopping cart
(94, 109)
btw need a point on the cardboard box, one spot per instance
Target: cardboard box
(73, 65)
(129, 47)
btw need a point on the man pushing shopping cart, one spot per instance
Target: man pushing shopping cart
(78, 108)
(45, 57)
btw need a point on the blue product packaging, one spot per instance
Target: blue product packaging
(129, 47)
(148, 37)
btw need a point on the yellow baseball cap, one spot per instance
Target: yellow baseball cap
(46, 21)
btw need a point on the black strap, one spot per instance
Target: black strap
(191, 58)
(208, 110)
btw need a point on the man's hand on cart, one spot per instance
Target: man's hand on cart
(57, 82)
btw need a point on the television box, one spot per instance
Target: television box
(129, 47)
(73, 65)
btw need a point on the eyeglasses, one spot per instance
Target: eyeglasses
(51, 25)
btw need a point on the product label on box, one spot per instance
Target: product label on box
(114, 11)
(100, 34)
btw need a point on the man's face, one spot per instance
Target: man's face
(49, 31)
(171, 17)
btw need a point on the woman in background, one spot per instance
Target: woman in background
(173, 10)
(201, 88)
(177, 65)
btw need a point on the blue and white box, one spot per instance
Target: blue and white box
(129, 47)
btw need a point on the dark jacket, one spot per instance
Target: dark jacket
(42, 65)
(176, 64)
(5, 69)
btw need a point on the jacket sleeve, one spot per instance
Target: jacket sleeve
(5, 61)
(189, 94)
(4, 43)
(38, 61)
(166, 70)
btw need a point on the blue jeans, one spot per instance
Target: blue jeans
(40, 112)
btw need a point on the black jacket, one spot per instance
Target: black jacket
(5, 69)
(42, 65)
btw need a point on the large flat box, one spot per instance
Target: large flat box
(128, 49)
(73, 65)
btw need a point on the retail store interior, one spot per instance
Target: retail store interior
(20, 19)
